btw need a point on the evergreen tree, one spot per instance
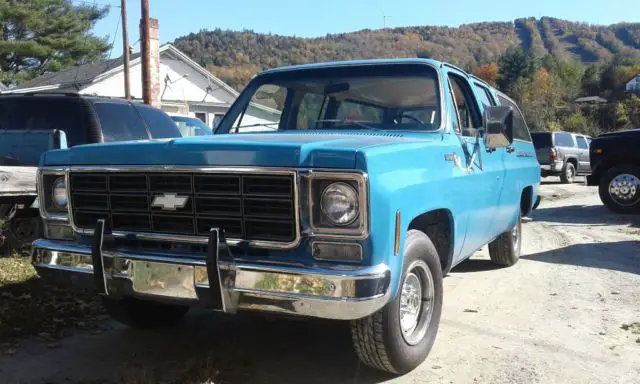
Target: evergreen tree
(41, 36)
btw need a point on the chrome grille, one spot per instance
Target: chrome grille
(248, 206)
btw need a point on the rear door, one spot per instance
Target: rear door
(583, 154)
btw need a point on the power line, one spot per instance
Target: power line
(94, 3)
(113, 42)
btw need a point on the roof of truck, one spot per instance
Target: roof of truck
(350, 63)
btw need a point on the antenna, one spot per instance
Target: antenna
(384, 20)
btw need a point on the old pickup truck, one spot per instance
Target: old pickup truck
(362, 184)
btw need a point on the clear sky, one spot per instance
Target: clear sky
(311, 18)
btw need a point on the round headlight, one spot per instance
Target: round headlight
(339, 203)
(59, 193)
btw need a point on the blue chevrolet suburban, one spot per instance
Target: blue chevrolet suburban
(339, 190)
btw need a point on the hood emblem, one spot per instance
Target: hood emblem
(169, 201)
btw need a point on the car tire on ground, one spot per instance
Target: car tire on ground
(505, 250)
(619, 188)
(568, 174)
(143, 314)
(399, 337)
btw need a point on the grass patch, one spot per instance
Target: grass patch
(29, 307)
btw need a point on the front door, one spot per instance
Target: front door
(484, 170)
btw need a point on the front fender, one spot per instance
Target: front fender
(412, 182)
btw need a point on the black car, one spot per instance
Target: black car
(562, 154)
(615, 169)
(31, 124)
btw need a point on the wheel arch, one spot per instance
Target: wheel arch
(526, 201)
(438, 225)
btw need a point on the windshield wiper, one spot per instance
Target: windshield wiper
(359, 123)
(256, 125)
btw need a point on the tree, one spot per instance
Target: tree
(488, 73)
(515, 64)
(621, 116)
(633, 110)
(41, 36)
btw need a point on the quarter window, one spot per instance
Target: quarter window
(564, 140)
(520, 130)
(272, 98)
(582, 142)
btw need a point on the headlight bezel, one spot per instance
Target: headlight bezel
(48, 209)
(317, 182)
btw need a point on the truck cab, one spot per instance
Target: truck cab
(350, 192)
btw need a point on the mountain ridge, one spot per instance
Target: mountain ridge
(235, 56)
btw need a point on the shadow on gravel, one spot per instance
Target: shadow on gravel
(588, 214)
(623, 256)
(212, 348)
(475, 265)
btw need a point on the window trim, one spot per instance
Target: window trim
(475, 110)
(487, 92)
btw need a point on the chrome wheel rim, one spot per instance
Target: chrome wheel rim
(569, 173)
(416, 302)
(623, 189)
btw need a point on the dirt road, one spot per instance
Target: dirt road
(566, 313)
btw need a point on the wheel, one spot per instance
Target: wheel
(620, 188)
(398, 337)
(505, 250)
(568, 175)
(144, 314)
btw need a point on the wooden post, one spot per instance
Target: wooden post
(144, 45)
(125, 48)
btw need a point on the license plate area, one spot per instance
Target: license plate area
(161, 279)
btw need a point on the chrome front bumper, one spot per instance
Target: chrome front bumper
(340, 292)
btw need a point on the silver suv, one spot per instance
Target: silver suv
(562, 154)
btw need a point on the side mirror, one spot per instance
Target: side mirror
(498, 125)
(59, 139)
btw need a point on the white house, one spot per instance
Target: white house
(634, 84)
(183, 87)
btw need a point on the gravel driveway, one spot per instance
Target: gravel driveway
(568, 312)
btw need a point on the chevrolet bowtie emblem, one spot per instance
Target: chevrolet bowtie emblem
(169, 201)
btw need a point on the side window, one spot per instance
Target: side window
(467, 108)
(484, 96)
(582, 142)
(520, 130)
(310, 110)
(120, 122)
(359, 112)
(159, 123)
(564, 140)
(264, 111)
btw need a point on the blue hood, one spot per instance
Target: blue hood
(301, 149)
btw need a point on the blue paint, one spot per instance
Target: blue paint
(411, 172)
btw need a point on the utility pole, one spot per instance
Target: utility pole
(146, 52)
(125, 48)
(384, 20)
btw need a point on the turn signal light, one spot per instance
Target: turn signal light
(597, 151)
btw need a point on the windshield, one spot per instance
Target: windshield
(393, 97)
(191, 126)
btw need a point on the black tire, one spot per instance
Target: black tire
(615, 205)
(378, 339)
(568, 174)
(143, 314)
(505, 250)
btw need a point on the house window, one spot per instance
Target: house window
(202, 116)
